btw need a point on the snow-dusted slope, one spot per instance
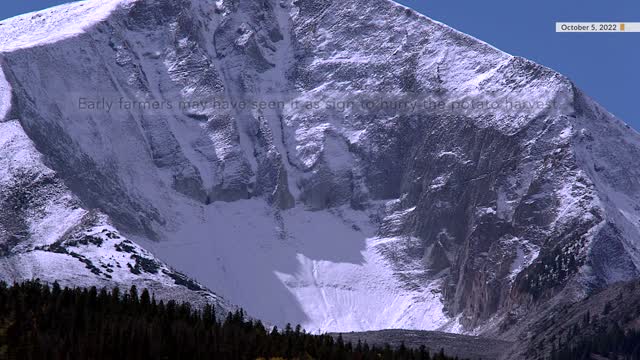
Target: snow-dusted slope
(46, 234)
(55, 24)
(405, 175)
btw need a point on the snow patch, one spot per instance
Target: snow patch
(322, 269)
(439, 182)
(368, 296)
(54, 24)
(526, 254)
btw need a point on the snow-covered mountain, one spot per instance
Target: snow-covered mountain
(346, 165)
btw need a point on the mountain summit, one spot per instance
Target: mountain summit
(347, 165)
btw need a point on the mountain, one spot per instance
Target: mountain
(346, 165)
(590, 322)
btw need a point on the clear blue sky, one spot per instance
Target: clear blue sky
(606, 66)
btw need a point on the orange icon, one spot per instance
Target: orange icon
(621, 27)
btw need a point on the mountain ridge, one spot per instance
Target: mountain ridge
(463, 219)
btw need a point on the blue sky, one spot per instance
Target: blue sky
(606, 66)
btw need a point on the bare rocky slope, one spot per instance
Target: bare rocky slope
(346, 165)
(460, 346)
(568, 324)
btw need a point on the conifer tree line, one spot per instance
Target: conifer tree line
(611, 343)
(38, 321)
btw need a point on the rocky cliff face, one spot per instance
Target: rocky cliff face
(347, 165)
